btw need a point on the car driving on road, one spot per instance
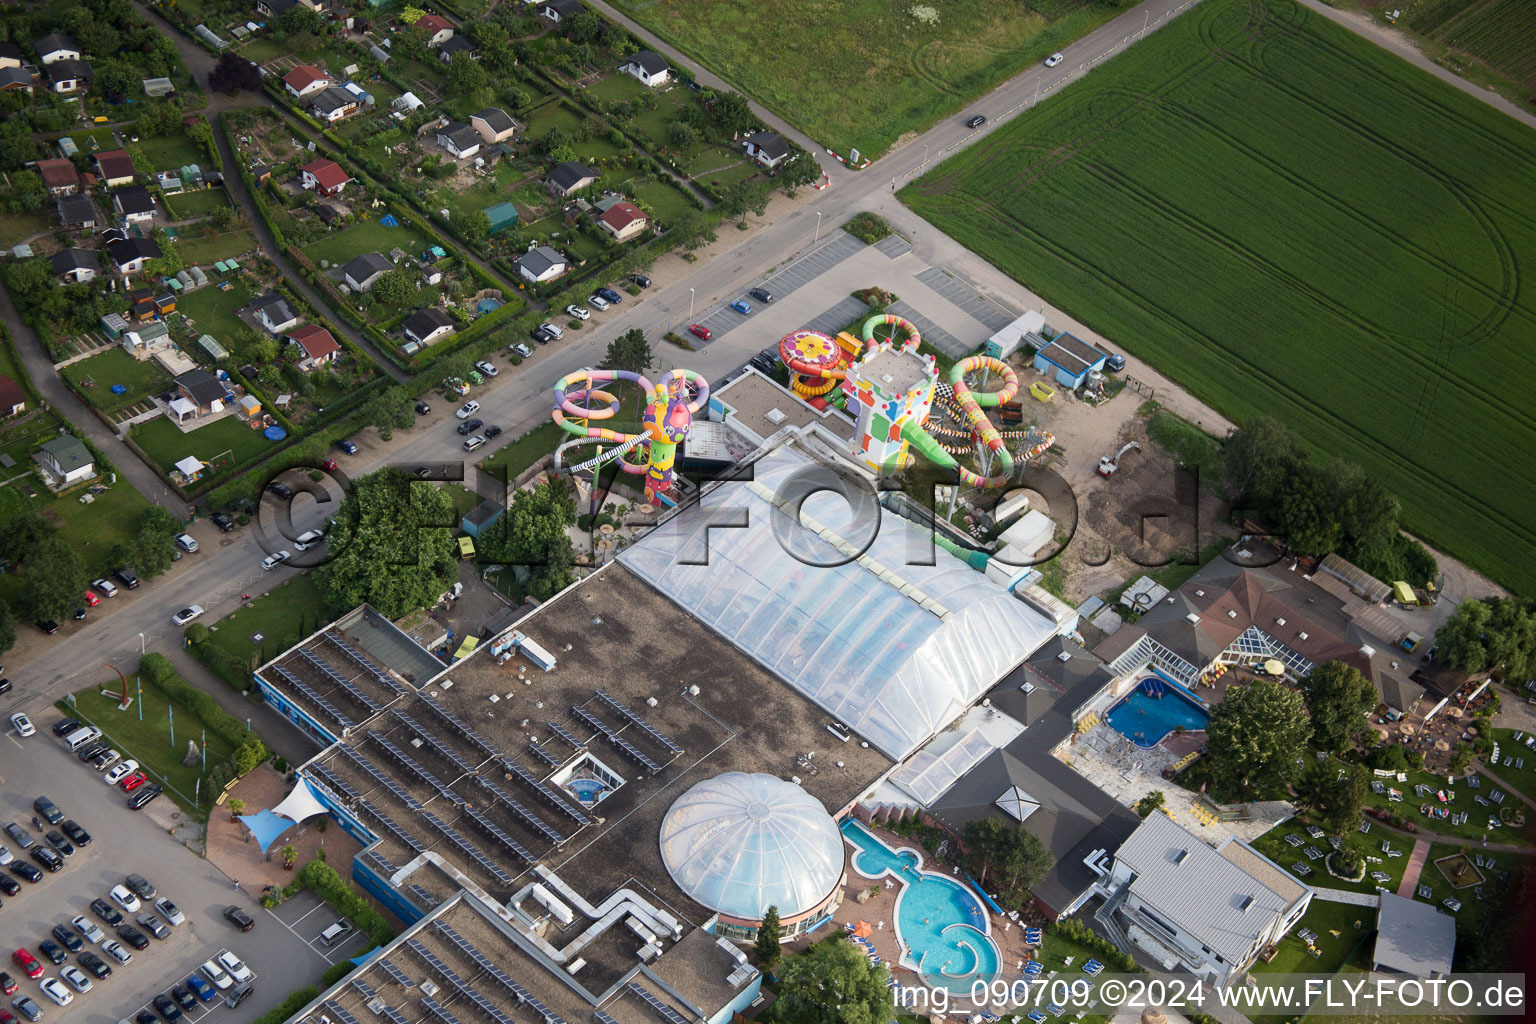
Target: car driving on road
(186, 615)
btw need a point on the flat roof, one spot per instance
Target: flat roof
(894, 371)
(760, 407)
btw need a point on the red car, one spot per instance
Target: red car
(28, 963)
(91, 599)
(700, 331)
(132, 782)
(329, 464)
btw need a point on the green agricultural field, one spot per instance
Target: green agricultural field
(1498, 33)
(1289, 220)
(862, 73)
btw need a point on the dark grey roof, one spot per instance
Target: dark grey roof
(68, 71)
(77, 210)
(126, 250)
(539, 259)
(134, 199)
(1413, 938)
(69, 259)
(650, 62)
(1072, 354)
(53, 42)
(361, 268)
(68, 451)
(461, 135)
(15, 76)
(275, 306)
(770, 143)
(202, 386)
(10, 50)
(280, 6)
(496, 119)
(456, 44)
(1049, 680)
(564, 8)
(565, 176)
(424, 321)
(333, 98)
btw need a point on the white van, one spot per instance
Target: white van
(335, 933)
(80, 737)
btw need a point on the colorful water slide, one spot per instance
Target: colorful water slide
(881, 319)
(971, 403)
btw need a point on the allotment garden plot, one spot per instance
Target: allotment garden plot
(1290, 221)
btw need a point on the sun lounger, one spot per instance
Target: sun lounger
(1053, 1010)
(1381, 876)
(1395, 853)
(1474, 781)
(1314, 832)
(1425, 892)
(1036, 1017)
(1032, 969)
(1336, 842)
(1454, 905)
(1093, 968)
(1313, 853)
(1365, 826)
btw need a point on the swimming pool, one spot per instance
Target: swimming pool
(941, 924)
(1153, 710)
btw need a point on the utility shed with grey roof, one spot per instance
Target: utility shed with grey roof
(1413, 938)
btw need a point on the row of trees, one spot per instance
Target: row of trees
(1496, 633)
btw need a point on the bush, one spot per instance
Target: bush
(161, 674)
(1102, 948)
(247, 756)
(1389, 757)
(324, 882)
(868, 228)
(290, 1006)
(334, 973)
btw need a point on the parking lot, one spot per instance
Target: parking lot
(280, 954)
(306, 916)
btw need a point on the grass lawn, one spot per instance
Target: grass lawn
(213, 311)
(19, 439)
(167, 152)
(1476, 825)
(149, 741)
(1272, 844)
(226, 443)
(488, 191)
(197, 204)
(111, 518)
(18, 227)
(114, 366)
(367, 236)
(258, 51)
(863, 72)
(1474, 912)
(526, 450)
(1523, 779)
(206, 251)
(283, 616)
(1317, 154)
(666, 201)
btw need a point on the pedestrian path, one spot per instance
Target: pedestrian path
(1415, 866)
(1359, 899)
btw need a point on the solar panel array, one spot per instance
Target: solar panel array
(496, 832)
(363, 987)
(364, 662)
(469, 848)
(314, 698)
(340, 680)
(495, 972)
(543, 755)
(489, 1008)
(434, 961)
(603, 1018)
(532, 820)
(431, 740)
(401, 978)
(564, 734)
(618, 741)
(426, 898)
(382, 861)
(393, 1015)
(639, 722)
(463, 730)
(340, 1012)
(334, 782)
(533, 782)
(393, 827)
(667, 1013)
(410, 764)
(377, 774)
(438, 1010)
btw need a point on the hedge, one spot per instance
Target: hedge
(161, 674)
(1105, 950)
(334, 973)
(290, 1006)
(323, 881)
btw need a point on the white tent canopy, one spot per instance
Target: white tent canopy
(189, 466)
(301, 803)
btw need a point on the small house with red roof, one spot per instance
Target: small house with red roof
(623, 221)
(13, 400)
(116, 168)
(306, 80)
(324, 177)
(317, 344)
(438, 29)
(59, 176)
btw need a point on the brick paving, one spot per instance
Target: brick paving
(233, 851)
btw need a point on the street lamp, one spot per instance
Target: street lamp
(141, 645)
(925, 154)
(818, 228)
(690, 303)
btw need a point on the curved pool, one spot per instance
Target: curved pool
(940, 922)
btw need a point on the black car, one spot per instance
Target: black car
(143, 795)
(141, 887)
(106, 911)
(7, 983)
(131, 935)
(52, 951)
(90, 750)
(47, 626)
(761, 295)
(422, 472)
(471, 425)
(611, 295)
(21, 869)
(48, 809)
(977, 121)
(222, 521)
(492, 431)
(79, 614)
(422, 408)
(58, 842)
(347, 446)
(239, 918)
(126, 578)
(77, 835)
(9, 885)
(102, 758)
(97, 967)
(168, 1008)
(65, 727)
(641, 280)
(280, 489)
(5, 684)
(184, 997)
(48, 858)
(68, 937)
(760, 364)
(146, 1017)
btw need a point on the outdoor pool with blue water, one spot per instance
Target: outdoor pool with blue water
(1153, 710)
(941, 923)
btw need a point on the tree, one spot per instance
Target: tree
(21, 535)
(475, 227)
(236, 807)
(1461, 759)
(629, 352)
(233, 74)
(29, 276)
(1004, 857)
(742, 196)
(1257, 460)
(1153, 801)
(465, 75)
(833, 983)
(731, 113)
(393, 288)
(115, 78)
(584, 27)
(391, 545)
(290, 856)
(7, 628)
(1255, 735)
(1464, 641)
(800, 169)
(1338, 699)
(247, 756)
(767, 947)
(411, 45)
(693, 230)
(533, 533)
(1333, 794)
(53, 578)
(299, 18)
(681, 134)
(1512, 636)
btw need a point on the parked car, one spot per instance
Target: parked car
(23, 725)
(167, 1008)
(48, 858)
(216, 974)
(28, 963)
(141, 887)
(125, 898)
(275, 559)
(126, 578)
(187, 543)
(65, 726)
(90, 750)
(131, 935)
(107, 912)
(741, 307)
(48, 626)
(170, 911)
(101, 762)
(18, 835)
(153, 925)
(133, 782)
(597, 302)
(201, 988)
(186, 615)
(308, 539)
(521, 348)
(329, 464)
(579, 312)
(471, 443)
(95, 964)
(58, 842)
(280, 489)
(550, 329)
(699, 331)
(115, 950)
(106, 586)
(48, 809)
(422, 408)
(75, 978)
(27, 1008)
(612, 296)
(117, 773)
(86, 927)
(144, 795)
(470, 426)
(26, 872)
(492, 431)
(8, 984)
(350, 447)
(762, 295)
(468, 409)
(184, 997)
(977, 121)
(77, 835)
(222, 521)
(234, 966)
(1115, 363)
(640, 279)
(54, 989)
(486, 367)
(1054, 59)
(52, 952)
(9, 885)
(239, 918)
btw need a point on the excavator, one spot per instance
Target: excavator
(1109, 463)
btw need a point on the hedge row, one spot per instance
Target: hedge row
(161, 674)
(322, 880)
(1107, 951)
(290, 1006)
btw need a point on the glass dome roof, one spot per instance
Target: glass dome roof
(740, 843)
